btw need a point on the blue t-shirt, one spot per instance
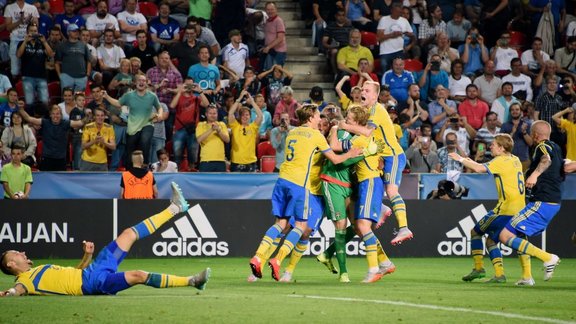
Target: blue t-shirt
(398, 84)
(55, 138)
(45, 23)
(6, 113)
(474, 58)
(163, 31)
(205, 76)
(432, 81)
(64, 21)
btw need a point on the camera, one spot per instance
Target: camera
(448, 188)
(435, 66)
(283, 123)
(454, 120)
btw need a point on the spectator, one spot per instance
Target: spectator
(85, 37)
(355, 94)
(519, 128)
(464, 132)
(212, 135)
(420, 157)
(458, 82)
(33, 52)
(205, 74)
(563, 57)
(474, 53)
(16, 176)
(144, 107)
(446, 164)
(186, 52)
(8, 108)
(138, 182)
(363, 73)
(244, 135)
(206, 36)
(431, 27)
(19, 134)
(146, 53)
(68, 17)
(98, 101)
(100, 21)
(164, 30)
(487, 134)
(235, 55)
(85, 7)
(501, 106)
(249, 82)
(4, 86)
(136, 65)
(440, 108)
(548, 69)
(275, 41)
(411, 47)
(336, 35)
(447, 54)
(316, 97)
(458, 28)
(130, 22)
(266, 125)
(548, 104)
(68, 104)
(489, 84)
(391, 30)
(273, 80)
(414, 107)
(324, 12)
(381, 8)
(201, 9)
(4, 158)
(78, 113)
(495, 19)
(534, 58)
(54, 134)
(73, 61)
(159, 137)
(164, 165)
(287, 105)
(521, 83)
(502, 54)
(123, 80)
(18, 16)
(473, 109)
(349, 56)
(278, 139)
(357, 12)
(566, 121)
(187, 109)
(253, 31)
(398, 80)
(431, 78)
(109, 57)
(426, 130)
(567, 90)
(97, 139)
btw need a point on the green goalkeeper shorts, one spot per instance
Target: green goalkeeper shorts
(335, 200)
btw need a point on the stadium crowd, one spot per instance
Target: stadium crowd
(202, 83)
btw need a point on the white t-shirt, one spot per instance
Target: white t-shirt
(458, 87)
(135, 19)
(521, 82)
(528, 59)
(503, 58)
(111, 56)
(462, 138)
(97, 24)
(236, 58)
(389, 25)
(13, 11)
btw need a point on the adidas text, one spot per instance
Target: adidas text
(197, 247)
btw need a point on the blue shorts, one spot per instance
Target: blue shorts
(101, 278)
(369, 203)
(492, 225)
(393, 167)
(290, 200)
(533, 219)
(315, 216)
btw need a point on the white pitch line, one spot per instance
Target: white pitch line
(434, 307)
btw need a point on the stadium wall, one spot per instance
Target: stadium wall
(56, 228)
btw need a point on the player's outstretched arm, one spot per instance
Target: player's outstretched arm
(468, 162)
(88, 248)
(337, 159)
(356, 129)
(17, 290)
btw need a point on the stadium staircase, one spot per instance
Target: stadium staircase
(302, 60)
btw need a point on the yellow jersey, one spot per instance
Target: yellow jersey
(97, 153)
(51, 279)
(509, 179)
(302, 144)
(315, 170)
(244, 142)
(368, 167)
(384, 130)
(212, 148)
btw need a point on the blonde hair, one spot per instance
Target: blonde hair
(306, 112)
(506, 141)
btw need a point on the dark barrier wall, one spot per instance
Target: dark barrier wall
(55, 228)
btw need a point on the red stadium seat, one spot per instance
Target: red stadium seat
(377, 66)
(148, 9)
(264, 148)
(267, 163)
(517, 39)
(20, 89)
(369, 40)
(413, 65)
(4, 33)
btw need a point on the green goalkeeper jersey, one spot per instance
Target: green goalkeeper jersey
(341, 174)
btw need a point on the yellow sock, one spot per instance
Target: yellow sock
(382, 257)
(152, 223)
(371, 250)
(478, 260)
(291, 240)
(498, 267)
(527, 248)
(296, 255)
(399, 208)
(161, 280)
(526, 265)
(267, 242)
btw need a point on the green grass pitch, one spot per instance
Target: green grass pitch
(420, 291)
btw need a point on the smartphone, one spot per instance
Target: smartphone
(454, 120)
(481, 147)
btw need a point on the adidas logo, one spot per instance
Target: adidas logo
(459, 243)
(323, 236)
(191, 235)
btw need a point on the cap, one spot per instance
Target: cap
(234, 32)
(72, 27)
(316, 93)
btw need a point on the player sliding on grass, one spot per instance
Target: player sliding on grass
(381, 127)
(507, 171)
(99, 277)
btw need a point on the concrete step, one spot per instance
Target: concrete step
(302, 51)
(297, 42)
(299, 32)
(310, 69)
(294, 24)
(317, 77)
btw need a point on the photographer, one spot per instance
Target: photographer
(458, 125)
(187, 102)
(431, 78)
(448, 190)
(502, 54)
(278, 138)
(421, 159)
(33, 52)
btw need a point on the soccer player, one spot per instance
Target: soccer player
(509, 179)
(380, 125)
(544, 183)
(99, 277)
(291, 195)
